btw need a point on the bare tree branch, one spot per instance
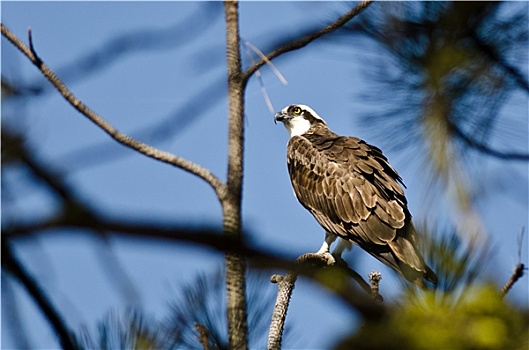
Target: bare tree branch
(285, 284)
(124, 139)
(10, 262)
(285, 287)
(304, 41)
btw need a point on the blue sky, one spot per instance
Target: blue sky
(184, 79)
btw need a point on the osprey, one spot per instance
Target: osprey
(353, 192)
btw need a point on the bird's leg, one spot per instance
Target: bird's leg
(326, 246)
(338, 250)
(340, 247)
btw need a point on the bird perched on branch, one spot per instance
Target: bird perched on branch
(353, 192)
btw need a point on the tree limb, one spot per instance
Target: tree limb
(304, 41)
(124, 139)
(231, 204)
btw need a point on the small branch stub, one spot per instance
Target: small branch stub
(276, 279)
(203, 335)
(516, 275)
(375, 277)
(518, 270)
(38, 61)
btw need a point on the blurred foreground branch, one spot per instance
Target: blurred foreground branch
(472, 142)
(11, 263)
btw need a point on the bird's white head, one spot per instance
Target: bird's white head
(298, 119)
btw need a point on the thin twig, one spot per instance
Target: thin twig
(519, 270)
(38, 61)
(124, 139)
(516, 275)
(260, 80)
(297, 44)
(268, 62)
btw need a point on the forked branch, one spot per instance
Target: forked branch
(338, 270)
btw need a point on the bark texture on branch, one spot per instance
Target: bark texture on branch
(231, 205)
(285, 287)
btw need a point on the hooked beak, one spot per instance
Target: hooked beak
(279, 117)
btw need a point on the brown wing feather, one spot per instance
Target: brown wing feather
(352, 191)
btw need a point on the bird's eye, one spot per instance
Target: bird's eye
(297, 110)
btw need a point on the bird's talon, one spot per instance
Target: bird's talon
(329, 257)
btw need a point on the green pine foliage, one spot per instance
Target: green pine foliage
(479, 319)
